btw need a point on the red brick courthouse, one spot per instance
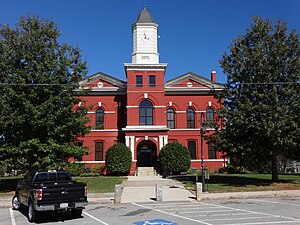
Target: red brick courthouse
(145, 112)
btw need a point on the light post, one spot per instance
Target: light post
(202, 132)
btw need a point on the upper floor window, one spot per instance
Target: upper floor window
(99, 119)
(146, 113)
(212, 153)
(210, 114)
(170, 118)
(192, 149)
(139, 80)
(152, 82)
(190, 118)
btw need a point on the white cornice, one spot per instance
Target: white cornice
(160, 66)
(209, 160)
(112, 130)
(185, 89)
(145, 128)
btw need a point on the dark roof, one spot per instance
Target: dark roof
(202, 80)
(102, 76)
(144, 16)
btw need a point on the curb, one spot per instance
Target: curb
(252, 195)
(108, 198)
(93, 198)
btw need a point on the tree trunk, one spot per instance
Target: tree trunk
(274, 168)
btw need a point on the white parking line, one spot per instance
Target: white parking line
(242, 218)
(170, 209)
(209, 211)
(222, 214)
(282, 203)
(260, 223)
(267, 214)
(171, 214)
(95, 218)
(12, 217)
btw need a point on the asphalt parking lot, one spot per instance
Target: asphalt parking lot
(220, 212)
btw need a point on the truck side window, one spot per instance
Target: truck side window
(41, 177)
(52, 176)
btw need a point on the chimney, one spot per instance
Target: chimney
(213, 76)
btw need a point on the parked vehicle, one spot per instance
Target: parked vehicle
(50, 190)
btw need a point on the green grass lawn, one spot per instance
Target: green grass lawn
(99, 184)
(216, 183)
(243, 182)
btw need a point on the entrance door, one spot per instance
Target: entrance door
(146, 151)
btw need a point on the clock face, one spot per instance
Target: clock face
(145, 37)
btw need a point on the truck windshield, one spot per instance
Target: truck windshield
(62, 176)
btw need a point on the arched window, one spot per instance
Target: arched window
(170, 118)
(190, 118)
(78, 111)
(210, 114)
(99, 119)
(146, 113)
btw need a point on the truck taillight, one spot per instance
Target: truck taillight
(39, 194)
(85, 191)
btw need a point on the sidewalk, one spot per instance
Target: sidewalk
(143, 189)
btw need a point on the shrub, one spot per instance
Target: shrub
(89, 175)
(86, 170)
(118, 160)
(75, 168)
(97, 169)
(222, 170)
(175, 157)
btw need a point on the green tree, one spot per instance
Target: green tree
(118, 159)
(38, 126)
(175, 158)
(261, 97)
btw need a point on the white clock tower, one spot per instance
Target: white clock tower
(145, 39)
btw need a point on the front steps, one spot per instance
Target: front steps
(146, 171)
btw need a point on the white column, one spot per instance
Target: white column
(165, 140)
(161, 142)
(127, 141)
(132, 146)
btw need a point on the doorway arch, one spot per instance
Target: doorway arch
(146, 154)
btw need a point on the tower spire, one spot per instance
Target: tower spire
(145, 39)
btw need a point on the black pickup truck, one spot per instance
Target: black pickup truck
(50, 190)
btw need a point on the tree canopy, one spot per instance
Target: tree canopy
(175, 158)
(38, 126)
(261, 96)
(118, 160)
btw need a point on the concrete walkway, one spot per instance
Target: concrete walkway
(143, 189)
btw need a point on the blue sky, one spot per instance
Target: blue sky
(193, 33)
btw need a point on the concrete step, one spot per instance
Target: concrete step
(146, 171)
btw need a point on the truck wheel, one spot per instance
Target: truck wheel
(16, 203)
(32, 213)
(76, 212)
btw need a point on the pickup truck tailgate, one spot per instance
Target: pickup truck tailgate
(63, 192)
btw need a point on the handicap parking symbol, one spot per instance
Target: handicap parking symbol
(155, 222)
